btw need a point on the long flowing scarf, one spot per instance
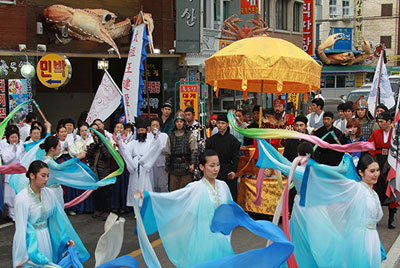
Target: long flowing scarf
(269, 133)
(118, 159)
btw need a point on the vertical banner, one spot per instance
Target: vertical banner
(249, 6)
(189, 97)
(188, 26)
(154, 86)
(19, 91)
(130, 83)
(308, 27)
(358, 25)
(3, 102)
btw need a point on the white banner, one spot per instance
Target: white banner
(394, 152)
(130, 83)
(106, 101)
(386, 93)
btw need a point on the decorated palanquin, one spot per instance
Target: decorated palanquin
(272, 187)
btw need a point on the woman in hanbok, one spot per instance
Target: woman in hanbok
(42, 230)
(333, 223)
(52, 147)
(183, 217)
(12, 151)
(81, 143)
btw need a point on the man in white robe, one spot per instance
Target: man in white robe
(140, 156)
(159, 176)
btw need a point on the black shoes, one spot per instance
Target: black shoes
(391, 224)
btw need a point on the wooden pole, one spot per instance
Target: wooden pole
(145, 86)
(261, 106)
(378, 90)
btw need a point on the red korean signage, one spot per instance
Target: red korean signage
(54, 70)
(3, 104)
(308, 27)
(249, 6)
(189, 97)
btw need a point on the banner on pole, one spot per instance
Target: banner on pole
(394, 151)
(3, 101)
(19, 91)
(190, 97)
(385, 93)
(106, 101)
(130, 83)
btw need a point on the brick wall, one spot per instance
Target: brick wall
(12, 25)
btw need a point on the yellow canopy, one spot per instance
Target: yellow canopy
(274, 64)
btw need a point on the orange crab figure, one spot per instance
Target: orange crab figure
(232, 32)
(87, 24)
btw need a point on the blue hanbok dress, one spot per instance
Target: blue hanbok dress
(334, 217)
(42, 230)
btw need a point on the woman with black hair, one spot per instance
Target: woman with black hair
(42, 230)
(183, 217)
(45, 130)
(52, 147)
(10, 153)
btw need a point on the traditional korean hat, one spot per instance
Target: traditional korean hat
(141, 122)
(180, 115)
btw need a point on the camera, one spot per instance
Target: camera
(350, 131)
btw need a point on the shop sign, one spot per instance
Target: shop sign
(11, 68)
(3, 104)
(347, 38)
(54, 70)
(154, 87)
(249, 6)
(308, 27)
(189, 97)
(19, 91)
(188, 26)
(358, 25)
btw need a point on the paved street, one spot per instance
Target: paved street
(90, 230)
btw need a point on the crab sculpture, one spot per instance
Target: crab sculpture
(96, 25)
(347, 58)
(231, 31)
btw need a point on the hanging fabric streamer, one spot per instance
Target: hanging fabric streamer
(270, 133)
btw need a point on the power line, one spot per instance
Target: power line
(363, 18)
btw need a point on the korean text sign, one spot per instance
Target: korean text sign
(308, 27)
(249, 6)
(347, 41)
(188, 26)
(3, 104)
(130, 82)
(53, 70)
(189, 97)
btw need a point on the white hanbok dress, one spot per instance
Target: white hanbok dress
(11, 153)
(42, 230)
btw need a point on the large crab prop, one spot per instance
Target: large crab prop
(96, 25)
(231, 31)
(347, 58)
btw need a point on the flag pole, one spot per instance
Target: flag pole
(378, 90)
(112, 81)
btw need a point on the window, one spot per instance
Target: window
(346, 8)
(330, 81)
(333, 8)
(267, 12)
(296, 16)
(387, 10)
(281, 14)
(340, 81)
(216, 10)
(226, 10)
(387, 40)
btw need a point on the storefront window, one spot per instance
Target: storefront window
(340, 81)
(330, 81)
